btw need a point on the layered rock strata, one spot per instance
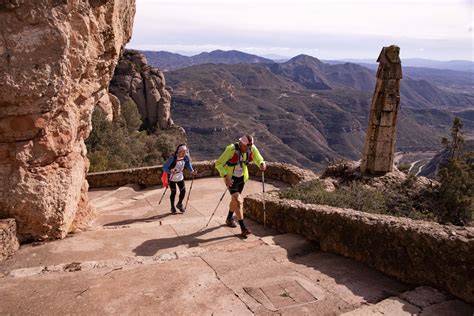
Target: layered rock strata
(57, 61)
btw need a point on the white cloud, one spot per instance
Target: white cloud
(263, 24)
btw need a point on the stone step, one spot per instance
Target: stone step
(109, 264)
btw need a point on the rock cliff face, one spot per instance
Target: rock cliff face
(58, 57)
(135, 79)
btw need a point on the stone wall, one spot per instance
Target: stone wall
(57, 59)
(413, 251)
(148, 176)
(8, 240)
(284, 172)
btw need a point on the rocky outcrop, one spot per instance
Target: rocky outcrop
(109, 105)
(57, 61)
(8, 240)
(134, 79)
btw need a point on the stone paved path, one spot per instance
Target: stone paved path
(139, 259)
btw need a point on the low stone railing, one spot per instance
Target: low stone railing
(148, 176)
(8, 240)
(414, 251)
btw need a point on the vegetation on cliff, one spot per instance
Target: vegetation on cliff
(456, 193)
(449, 201)
(119, 144)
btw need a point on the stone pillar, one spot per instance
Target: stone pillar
(380, 140)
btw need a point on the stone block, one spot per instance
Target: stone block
(382, 164)
(387, 119)
(383, 149)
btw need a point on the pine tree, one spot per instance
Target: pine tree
(456, 175)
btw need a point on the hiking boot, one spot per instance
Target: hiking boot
(230, 222)
(173, 210)
(180, 207)
(245, 232)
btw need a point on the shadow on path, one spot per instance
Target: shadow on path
(152, 246)
(139, 220)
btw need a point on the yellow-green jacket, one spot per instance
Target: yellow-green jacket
(224, 169)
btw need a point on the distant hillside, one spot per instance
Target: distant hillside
(167, 61)
(458, 65)
(432, 167)
(313, 74)
(450, 80)
(302, 111)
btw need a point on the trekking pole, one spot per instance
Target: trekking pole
(263, 199)
(165, 189)
(190, 188)
(222, 197)
(163, 195)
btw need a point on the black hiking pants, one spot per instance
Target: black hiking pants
(182, 191)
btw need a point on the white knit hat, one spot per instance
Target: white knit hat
(246, 139)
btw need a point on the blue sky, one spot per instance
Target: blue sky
(335, 29)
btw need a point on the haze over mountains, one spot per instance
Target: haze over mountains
(458, 65)
(170, 61)
(304, 111)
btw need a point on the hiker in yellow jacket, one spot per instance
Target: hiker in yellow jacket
(232, 165)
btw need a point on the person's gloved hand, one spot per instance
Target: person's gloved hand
(228, 181)
(263, 166)
(194, 172)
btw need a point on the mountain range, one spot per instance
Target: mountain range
(167, 61)
(304, 111)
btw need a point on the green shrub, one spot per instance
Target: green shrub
(129, 111)
(356, 196)
(456, 193)
(119, 145)
(396, 201)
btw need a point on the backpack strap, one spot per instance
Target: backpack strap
(235, 159)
